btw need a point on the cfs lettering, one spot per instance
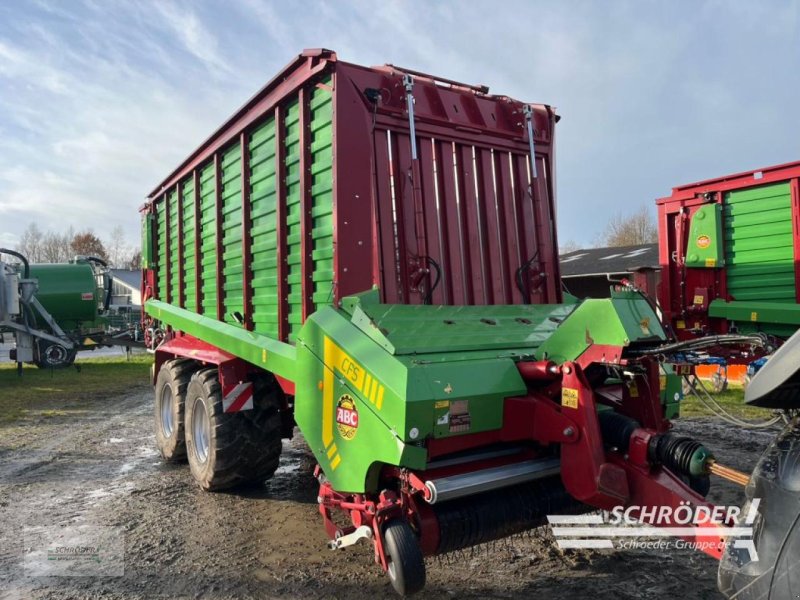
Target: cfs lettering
(350, 369)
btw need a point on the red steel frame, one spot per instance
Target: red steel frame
(674, 213)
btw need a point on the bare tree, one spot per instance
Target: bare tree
(631, 229)
(30, 243)
(86, 243)
(117, 246)
(134, 261)
(56, 246)
(569, 246)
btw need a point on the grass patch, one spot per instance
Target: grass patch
(732, 400)
(43, 393)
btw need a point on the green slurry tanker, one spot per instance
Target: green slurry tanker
(54, 310)
(370, 254)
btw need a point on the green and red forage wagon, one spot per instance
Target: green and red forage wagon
(370, 254)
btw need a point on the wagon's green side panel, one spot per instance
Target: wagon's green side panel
(161, 249)
(263, 188)
(208, 245)
(759, 248)
(174, 264)
(232, 260)
(293, 227)
(321, 125)
(263, 200)
(187, 219)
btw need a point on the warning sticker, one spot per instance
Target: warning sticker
(346, 417)
(569, 397)
(460, 419)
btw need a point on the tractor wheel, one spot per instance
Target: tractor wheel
(230, 449)
(775, 483)
(406, 566)
(173, 379)
(54, 356)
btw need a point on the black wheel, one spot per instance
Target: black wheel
(54, 356)
(230, 449)
(775, 482)
(406, 567)
(170, 395)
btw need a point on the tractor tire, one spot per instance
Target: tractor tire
(406, 566)
(170, 408)
(775, 482)
(231, 449)
(54, 356)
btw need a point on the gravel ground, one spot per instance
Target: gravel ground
(94, 464)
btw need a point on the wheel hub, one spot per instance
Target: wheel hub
(201, 430)
(167, 406)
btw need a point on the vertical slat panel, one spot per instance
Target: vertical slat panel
(434, 227)
(263, 214)
(404, 213)
(546, 240)
(448, 202)
(473, 212)
(495, 240)
(513, 219)
(179, 243)
(168, 248)
(198, 242)
(218, 241)
(174, 247)
(209, 240)
(389, 267)
(321, 152)
(188, 243)
(294, 229)
(162, 289)
(465, 243)
(232, 259)
(281, 250)
(246, 227)
(306, 222)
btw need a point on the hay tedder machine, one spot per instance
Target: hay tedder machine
(370, 254)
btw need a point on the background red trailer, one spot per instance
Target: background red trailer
(729, 250)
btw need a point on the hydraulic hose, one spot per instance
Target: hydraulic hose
(24, 260)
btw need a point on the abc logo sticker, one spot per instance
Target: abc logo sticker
(703, 241)
(346, 417)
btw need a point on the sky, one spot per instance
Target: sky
(101, 99)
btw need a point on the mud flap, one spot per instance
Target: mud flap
(775, 482)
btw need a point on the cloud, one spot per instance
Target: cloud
(100, 100)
